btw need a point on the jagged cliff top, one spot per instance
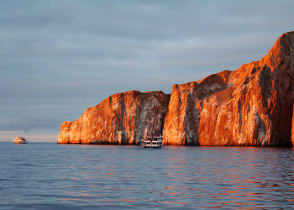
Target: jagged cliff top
(136, 92)
(278, 55)
(281, 49)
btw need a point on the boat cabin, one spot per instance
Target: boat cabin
(152, 142)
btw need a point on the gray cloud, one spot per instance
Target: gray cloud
(59, 57)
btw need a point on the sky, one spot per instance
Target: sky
(59, 57)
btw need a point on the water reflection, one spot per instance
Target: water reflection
(234, 177)
(72, 176)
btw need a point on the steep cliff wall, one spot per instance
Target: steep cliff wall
(252, 105)
(249, 106)
(122, 118)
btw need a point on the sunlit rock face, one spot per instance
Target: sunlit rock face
(123, 118)
(249, 106)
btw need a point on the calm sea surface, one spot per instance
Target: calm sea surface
(51, 176)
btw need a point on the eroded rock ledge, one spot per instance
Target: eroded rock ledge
(251, 106)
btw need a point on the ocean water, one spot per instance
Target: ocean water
(52, 176)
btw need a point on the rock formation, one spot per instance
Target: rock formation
(249, 106)
(252, 106)
(123, 118)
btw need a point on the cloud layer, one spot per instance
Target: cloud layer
(59, 57)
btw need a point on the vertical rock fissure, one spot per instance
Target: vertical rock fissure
(191, 121)
(265, 84)
(240, 114)
(292, 127)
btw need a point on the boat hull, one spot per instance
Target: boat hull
(20, 142)
(151, 144)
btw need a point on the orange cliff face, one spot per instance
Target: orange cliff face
(123, 118)
(249, 106)
(252, 106)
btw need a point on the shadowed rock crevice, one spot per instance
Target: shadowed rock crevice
(192, 116)
(260, 132)
(240, 114)
(292, 128)
(265, 83)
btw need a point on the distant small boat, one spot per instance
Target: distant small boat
(152, 142)
(20, 140)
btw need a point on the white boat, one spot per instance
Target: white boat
(20, 140)
(152, 142)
